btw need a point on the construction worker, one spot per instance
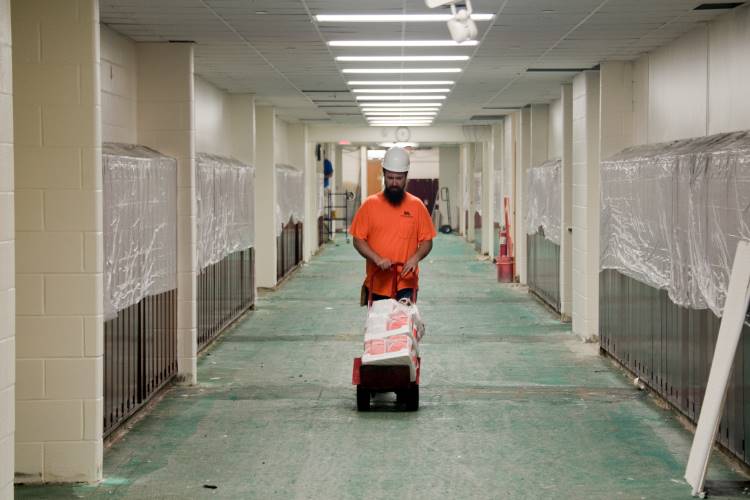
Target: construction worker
(392, 229)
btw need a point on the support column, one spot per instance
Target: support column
(166, 123)
(471, 205)
(524, 164)
(7, 261)
(510, 125)
(337, 157)
(586, 205)
(566, 200)
(265, 197)
(363, 172)
(462, 198)
(301, 157)
(59, 245)
(488, 197)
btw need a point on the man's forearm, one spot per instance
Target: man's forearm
(423, 250)
(365, 251)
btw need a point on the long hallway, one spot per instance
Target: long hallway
(513, 405)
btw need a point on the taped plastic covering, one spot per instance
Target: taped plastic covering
(478, 192)
(140, 224)
(673, 213)
(225, 193)
(290, 196)
(543, 201)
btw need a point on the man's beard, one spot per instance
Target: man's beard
(394, 195)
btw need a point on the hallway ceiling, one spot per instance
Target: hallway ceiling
(276, 50)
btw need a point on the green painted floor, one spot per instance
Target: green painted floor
(513, 406)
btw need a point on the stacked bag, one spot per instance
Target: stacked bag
(392, 334)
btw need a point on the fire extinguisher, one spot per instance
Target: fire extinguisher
(505, 261)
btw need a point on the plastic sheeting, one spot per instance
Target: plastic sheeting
(140, 224)
(290, 196)
(478, 192)
(672, 214)
(225, 193)
(543, 202)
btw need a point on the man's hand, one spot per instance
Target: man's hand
(410, 266)
(383, 264)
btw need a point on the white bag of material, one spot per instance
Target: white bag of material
(392, 334)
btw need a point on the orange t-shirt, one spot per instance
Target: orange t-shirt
(393, 232)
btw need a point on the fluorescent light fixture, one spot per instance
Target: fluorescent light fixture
(400, 70)
(400, 120)
(399, 97)
(402, 43)
(401, 104)
(397, 82)
(380, 110)
(400, 124)
(401, 91)
(393, 18)
(400, 58)
(398, 113)
(399, 144)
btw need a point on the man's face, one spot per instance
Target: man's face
(395, 186)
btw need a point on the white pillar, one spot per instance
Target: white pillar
(7, 262)
(265, 197)
(471, 196)
(59, 241)
(566, 200)
(586, 205)
(524, 164)
(510, 162)
(166, 122)
(488, 197)
(462, 200)
(300, 156)
(363, 172)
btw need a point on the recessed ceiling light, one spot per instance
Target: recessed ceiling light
(397, 82)
(408, 124)
(400, 104)
(401, 91)
(393, 18)
(401, 70)
(402, 43)
(400, 58)
(399, 98)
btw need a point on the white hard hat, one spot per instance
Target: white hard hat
(396, 159)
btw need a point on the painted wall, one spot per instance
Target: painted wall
(555, 132)
(119, 80)
(424, 164)
(281, 143)
(213, 127)
(7, 264)
(350, 167)
(696, 85)
(449, 166)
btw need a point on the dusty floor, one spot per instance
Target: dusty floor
(512, 406)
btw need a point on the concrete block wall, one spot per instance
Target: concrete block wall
(265, 199)
(524, 163)
(7, 266)
(166, 122)
(119, 82)
(566, 200)
(585, 201)
(59, 263)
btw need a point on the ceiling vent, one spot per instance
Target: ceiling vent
(718, 6)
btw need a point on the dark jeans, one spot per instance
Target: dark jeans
(404, 293)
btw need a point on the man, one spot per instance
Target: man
(393, 227)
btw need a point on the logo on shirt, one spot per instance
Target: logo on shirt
(406, 214)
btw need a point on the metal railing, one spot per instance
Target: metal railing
(225, 291)
(543, 268)
(670, 349)
(288, 249)
(140, 355)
